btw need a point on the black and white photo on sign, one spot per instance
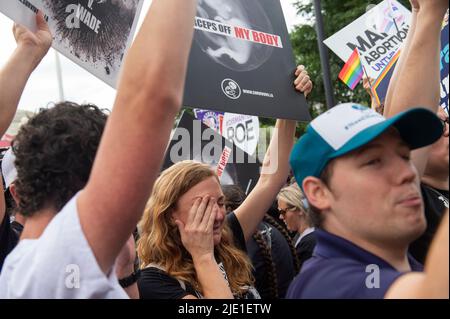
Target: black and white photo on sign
(229, 38)
(242, 61)
(95, 34)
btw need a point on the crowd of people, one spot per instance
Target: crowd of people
(87, 212)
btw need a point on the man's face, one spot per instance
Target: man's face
(374, 194)
(438, 159)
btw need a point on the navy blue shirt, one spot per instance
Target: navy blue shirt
(341, 270)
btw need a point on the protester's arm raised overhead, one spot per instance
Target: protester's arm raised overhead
(417, 76)
(275, 168)
(136, 136)
(31, 49)
(388, 110)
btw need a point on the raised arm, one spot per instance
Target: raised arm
(132, 148)
(31, 49)
(416, 82)
(275, 168)
(274, 173)
(401, 61)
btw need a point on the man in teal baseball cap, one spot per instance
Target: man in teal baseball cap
(354, 167)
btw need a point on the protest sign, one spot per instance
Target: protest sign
(379, 35)
(381, 85)
(444, 65)
(20, 11)
(213, 120)
(242, 61)
(95, 34)
(242, 130)
(193, 140)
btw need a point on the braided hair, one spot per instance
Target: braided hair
(270, 267)
(271, 221)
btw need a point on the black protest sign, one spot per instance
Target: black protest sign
(193, 140)
(242, 62)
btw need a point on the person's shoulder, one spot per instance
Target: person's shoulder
(61, 239)
(16, 278)
(26, 249)
(64, 235)
(232, 220)
(280, 245)
(153, 272)
(47, 267)
(341, 278)
(310, 238)
(236, 229)
(155, 283)
(276, 234)
(435, 200)
(307, 243)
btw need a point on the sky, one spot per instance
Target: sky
(78, 85)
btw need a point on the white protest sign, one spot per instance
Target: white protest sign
(95, 34)
(20, 11)
(242, 130)
(378, 35)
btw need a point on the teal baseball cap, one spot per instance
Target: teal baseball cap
(348, 127)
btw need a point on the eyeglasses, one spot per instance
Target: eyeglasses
(284, 211)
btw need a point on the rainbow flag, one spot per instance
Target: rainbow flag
(352, 72)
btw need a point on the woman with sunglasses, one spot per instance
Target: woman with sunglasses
(293, 209)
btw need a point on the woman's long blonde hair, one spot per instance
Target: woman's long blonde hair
(160, 241)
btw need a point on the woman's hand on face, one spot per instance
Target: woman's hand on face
(197, 232)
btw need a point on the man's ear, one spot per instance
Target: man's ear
(13, 191)
(317, 193)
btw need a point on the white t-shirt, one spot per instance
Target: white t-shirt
(58, 265)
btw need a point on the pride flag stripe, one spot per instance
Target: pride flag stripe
(352, 72)
(387, 68)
